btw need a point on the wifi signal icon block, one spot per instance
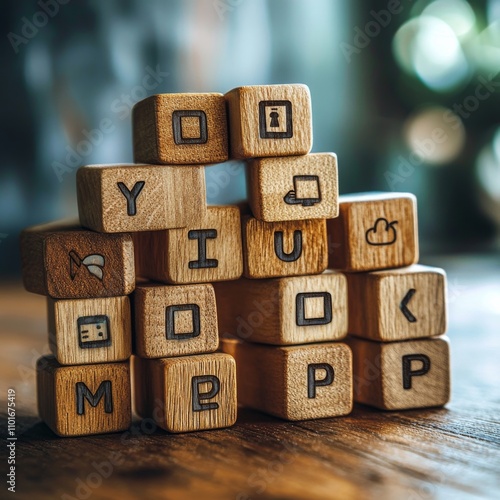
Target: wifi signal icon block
(64, 261)
(94, 264)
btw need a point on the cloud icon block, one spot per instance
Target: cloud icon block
(383, 232)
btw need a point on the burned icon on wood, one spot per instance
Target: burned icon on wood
(305, 192)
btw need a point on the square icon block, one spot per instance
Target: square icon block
(284, 311)
(208, 250)
(275, 249)
(298, 382)
(294, 187)
(130, 198)
(90, 331)
(180, 129)
(374, 231)
(84, 400)
(401, 375)
(63, 260)
(269, 120)
(175, 320)
(397, 304)
(187, 393)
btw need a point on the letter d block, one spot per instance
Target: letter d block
(188, 393)
(83, 400)
(180, 129)
(295, 382)
(175, 320)
(374, 231)
(401, 375)
(130, 198)
(275, 249)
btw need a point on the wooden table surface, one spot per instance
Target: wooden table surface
(440, 453)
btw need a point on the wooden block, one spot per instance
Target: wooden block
(269, 120)
(397, 304)
(208, 250)
(296, 382)
(90, 331)
(374, 231)
(83, 400)
(64, 260)
(294, 187)
(282, 311)
(188, 393)
(401, 375)
(180, 129)
(123, 198)
(275, 249)
(175, 320)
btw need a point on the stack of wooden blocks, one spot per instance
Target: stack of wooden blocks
(281, 323)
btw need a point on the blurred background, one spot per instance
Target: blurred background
(407, 93)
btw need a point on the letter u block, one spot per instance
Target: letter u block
(187, 393)
(84, 400)
(175, 320)
(298, 382)
(282, 311)
(275, 249)
(269, 120)
(205, 251)
(374, 231)
(130, 198)
(401, 375)
(180, 129)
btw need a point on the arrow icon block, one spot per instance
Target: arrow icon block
(404, 303)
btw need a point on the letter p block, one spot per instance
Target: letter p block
(188, 393)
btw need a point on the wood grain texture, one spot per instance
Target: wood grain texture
(263, 240)
(53, 259)
(398, 304)
(293, 124)
(374, 231)
(90, 331)
(449, 452)
(279, 380)
(283, 311)
(170, 197)
(169, 389)
(380, 370)
(180, 129)
(58, 400)
(174, 256)
(293, 187)
(175, 320)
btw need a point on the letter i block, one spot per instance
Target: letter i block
(295, 310)
(90, 331)
(296, 382)
(175, 320)
(63, 260)
(294, 188)
(275, 249)
(84, 400)
(180, 129)
(397, 304)
(269, 120)
(374, 231)
(187, 393)
(401, 375)
(129, 198)
(209, 250)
